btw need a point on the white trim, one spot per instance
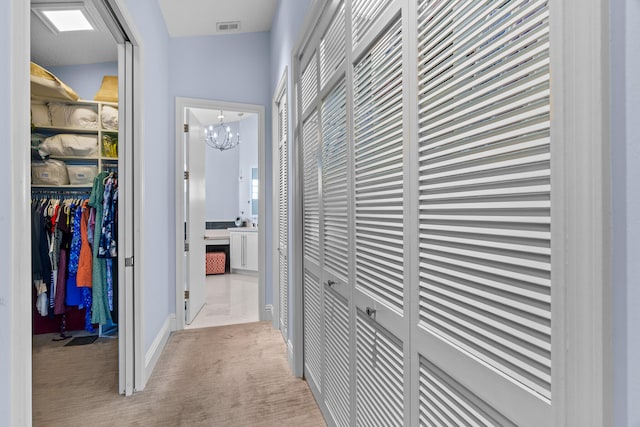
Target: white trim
(268, 313)
(157, 346)
(290, 354)
(182, 103)
(282, 87)
(126, 21)
(581, 271)
(20, 240)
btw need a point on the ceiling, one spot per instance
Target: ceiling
(49, 49)
(182, 18)
(199, 17)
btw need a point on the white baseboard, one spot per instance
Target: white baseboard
(268, 313)
(154, 352)
(290, 353)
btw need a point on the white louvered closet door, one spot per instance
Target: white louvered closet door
(380, 311)
(283, 222)
(484, 317)
(312, 292)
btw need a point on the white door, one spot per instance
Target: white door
(283, 223)
(126, 229)
(195, 245)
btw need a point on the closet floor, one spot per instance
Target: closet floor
(230, 299)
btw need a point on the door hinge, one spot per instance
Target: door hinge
(186, 127)
(186, 294)
(186, 247)
(128, 262)
(186, 174)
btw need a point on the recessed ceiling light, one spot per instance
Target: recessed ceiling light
(67, 17)
(68, 20)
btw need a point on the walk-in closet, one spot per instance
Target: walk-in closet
(75, 203)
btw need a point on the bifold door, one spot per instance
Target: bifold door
(425, 132)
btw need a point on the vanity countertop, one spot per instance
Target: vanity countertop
(243, 229)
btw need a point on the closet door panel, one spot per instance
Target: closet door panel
(484, 196)
(381, 328)
(332, 46)
(311, 204)
(309, 83)
(283, 222)
(379, 203)
(312, 332)
(335, 204)
(379, 375)
(337, 372)
(313, 339)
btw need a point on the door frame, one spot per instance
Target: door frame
(20, 332)
(182, 103)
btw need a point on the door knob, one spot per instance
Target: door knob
(371, 312)
(330, 283)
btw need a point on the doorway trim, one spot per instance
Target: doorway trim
(181, 104)
(20, 309)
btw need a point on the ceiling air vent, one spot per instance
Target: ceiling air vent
(224, 27)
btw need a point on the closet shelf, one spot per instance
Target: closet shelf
(69, 129)
(62, 186)
(90, 158)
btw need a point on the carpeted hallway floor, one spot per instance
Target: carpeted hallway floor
(234, 375)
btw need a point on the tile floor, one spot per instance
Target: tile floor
(231, 299)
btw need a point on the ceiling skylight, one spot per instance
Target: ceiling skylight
(68, 20)
(67, 17)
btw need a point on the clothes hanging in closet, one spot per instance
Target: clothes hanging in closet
(74, 241)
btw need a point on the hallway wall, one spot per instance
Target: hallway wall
(232, 68)
(625, 156)
(158, 257)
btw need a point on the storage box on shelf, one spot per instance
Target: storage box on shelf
(81, 134)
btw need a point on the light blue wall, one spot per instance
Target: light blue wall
(221, 170)
(285, 31)
(158, 200)
(625, 128)
(85, 80)
(5, 216)
(232, 68)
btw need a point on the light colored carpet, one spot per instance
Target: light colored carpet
(234, 375)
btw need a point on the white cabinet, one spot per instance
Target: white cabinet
(244, 250)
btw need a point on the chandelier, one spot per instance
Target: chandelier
(220, 136)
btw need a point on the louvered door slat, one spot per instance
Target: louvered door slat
(334, 177)
(312, 324)
(311, 206)
(379, 375)
(378, 167)
(485, 258)
(444, 401)
(332, 46)
(337, 357)
(365, 13)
